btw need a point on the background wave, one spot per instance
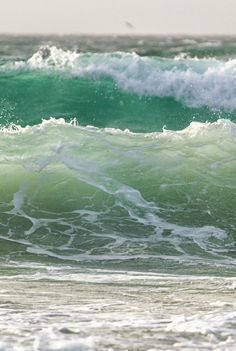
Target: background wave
(122, 90)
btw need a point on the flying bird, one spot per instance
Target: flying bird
(129, 25)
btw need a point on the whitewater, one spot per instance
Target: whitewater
(117, 197)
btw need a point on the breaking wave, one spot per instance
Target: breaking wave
(194, 82)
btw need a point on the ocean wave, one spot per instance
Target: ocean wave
(86, 194)
(194, 82)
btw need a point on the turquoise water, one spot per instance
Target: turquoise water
(117, 173)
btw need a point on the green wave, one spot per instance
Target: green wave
(27, 97)
(107, 197)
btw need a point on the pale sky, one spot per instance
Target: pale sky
(111, 16)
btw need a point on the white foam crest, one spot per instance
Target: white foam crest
(50, 56)
(193, 81)
(197, 86)
(203, 132)
(18, 129)
(183, 56)
(196, 129)
(193, 130)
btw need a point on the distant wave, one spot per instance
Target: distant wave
(194, 82)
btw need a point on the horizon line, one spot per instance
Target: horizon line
(117, 34)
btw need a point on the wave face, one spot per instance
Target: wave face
(88, 195)
(118, 152)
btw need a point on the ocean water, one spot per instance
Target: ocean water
(118, 193)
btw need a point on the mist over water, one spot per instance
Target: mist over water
(117, 173)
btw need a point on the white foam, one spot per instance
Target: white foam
(220, 324)
(112, 311)
(53, 57)
(194, 130)
(46, 123)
